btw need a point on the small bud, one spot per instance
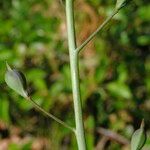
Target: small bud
(138, 138)
(16, 81)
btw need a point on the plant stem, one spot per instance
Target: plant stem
(96, 31)
(50, 115)
(80, 136)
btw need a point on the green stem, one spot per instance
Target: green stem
(80, 136)
(50, 115)
(96, 31)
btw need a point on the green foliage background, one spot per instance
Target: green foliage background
(115, 70)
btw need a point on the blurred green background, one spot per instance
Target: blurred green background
(114, 72)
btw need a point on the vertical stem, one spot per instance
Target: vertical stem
(80, 136)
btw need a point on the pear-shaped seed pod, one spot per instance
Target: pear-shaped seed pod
(16, 81)
(138, 138)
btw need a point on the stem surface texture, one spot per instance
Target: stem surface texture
(80, 136)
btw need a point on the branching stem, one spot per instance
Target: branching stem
(75, 76)
(96, 31)
(74, 65)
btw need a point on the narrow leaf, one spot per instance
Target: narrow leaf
(16, 81)
(138, 138)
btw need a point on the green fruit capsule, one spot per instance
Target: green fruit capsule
(138, 138)
(16, 81)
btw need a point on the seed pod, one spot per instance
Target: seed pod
(138, 138)
(16, 81)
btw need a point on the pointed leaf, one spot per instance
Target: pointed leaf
(16, 81)
(138, 138)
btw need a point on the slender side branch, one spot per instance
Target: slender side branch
(96, 31)
(50, 115)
